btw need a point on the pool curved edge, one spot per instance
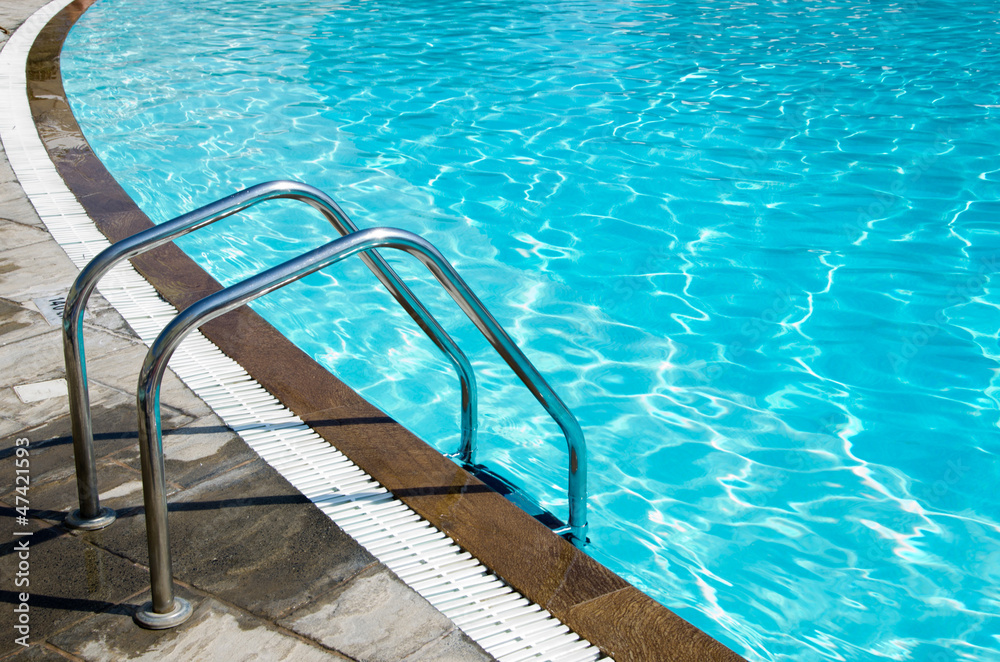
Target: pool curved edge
(592, 600)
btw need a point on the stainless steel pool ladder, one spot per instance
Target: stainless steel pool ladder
(165, 610)
(91, 515)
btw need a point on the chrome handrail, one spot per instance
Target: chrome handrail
(164, 611)
(91, 515)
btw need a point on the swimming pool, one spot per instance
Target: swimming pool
(749, 245)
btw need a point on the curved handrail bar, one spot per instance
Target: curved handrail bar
(234, 296)
(91, 515)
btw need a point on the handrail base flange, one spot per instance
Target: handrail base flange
(104, 518)
(145, 617)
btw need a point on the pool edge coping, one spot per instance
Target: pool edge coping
(593, 601)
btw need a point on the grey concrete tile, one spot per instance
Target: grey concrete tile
(19, 418)
(113, 416)
(101, 314)
(22, 319)
(456, 646)
(250, 538)
(373, 618)
(203, 441)
(114, 428)
(33, 359)
(55, 495)
(53, 470)
(13, 205)
(6, 174)
(38, 653)
(13, 15)
(34, 270)
(68, 580)
(40, 357)
(18, 322)
(120, 370)
(197, 451)
(214, 632)
(99, 342)
(51, 449)
(8, 426)
(174, 394)
(14, 236)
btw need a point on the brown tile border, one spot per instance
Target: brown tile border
(596, 603)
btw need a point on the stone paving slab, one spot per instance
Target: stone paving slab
(16, 235)
(193, 453)
(42, 653)
(34, 270)
(216, 631)
(16, 415)
(68, 580)
(251, 539)
(18, 322)
(120, 370)
(14, 207)
(343, 620)
(40, 357)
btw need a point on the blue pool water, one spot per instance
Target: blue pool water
(754, 246)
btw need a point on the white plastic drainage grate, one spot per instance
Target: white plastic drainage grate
(504, 623)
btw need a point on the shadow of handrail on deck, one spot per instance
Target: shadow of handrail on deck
(59, 602)
(67, 439)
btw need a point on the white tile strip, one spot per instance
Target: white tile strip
(504, 623)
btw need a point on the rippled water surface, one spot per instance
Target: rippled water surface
(753, 245)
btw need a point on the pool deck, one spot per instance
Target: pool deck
(269, 575)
